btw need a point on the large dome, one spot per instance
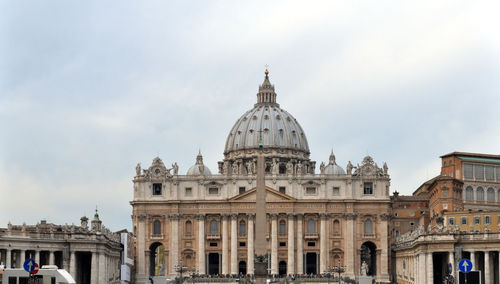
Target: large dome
(280, 130)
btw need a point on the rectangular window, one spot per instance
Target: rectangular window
(498, 220)
(445, 206)
(189, 191)
(477, 220)
(213, 244)
(243, 244)
(241, 190)
(445, 193)
(487, 219)
(451, 221)
(310, 190)
(479, 172)
(282, 189)
(498, 173)
(311, 244)
(156, 188)
(412, 214)
(213, 190)
(336, 191)
(489, 172)
(282, 244)
(463, 220)
(468, 173)
(368, 188)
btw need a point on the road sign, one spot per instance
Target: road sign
(29, 265)
(465, 265)
(35, 271)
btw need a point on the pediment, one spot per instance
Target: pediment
(271, 196)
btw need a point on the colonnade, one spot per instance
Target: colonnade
(15, 258)
(420, 267)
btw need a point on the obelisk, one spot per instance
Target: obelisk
(260, 220)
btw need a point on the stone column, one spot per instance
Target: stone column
(234, 244)
(22, 258)
(8, 258)
(102, 268)
(487, 272)
(174, 242)
(322, 244)
(141, 247)
(430, 268)
(201, 243)
(421, 268)
(451, 259)
(291, 247)
(350, 250)
(274, 243)
(384, 246)
(72, 264)
(473, 259)
(300, 243)
(94, 270)
(224, 244)
(250, 250)
(415, 268)
(37, 257)
(51, 258)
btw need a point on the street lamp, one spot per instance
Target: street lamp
(338, 269)
(180, 268)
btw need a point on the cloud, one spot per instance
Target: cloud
(90, 89)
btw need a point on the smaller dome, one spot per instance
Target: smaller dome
(332, 168)
(199, 168)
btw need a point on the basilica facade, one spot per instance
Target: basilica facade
(204, 222)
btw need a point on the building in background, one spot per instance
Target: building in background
(90, 255)
(463, 205)
(205, 221)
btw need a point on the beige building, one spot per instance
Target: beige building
(205, 221)
(90, 255)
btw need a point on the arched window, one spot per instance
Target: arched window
(336, 227)
(490, 195)
(214, 227)
(311, 226)
(157, 227)
(243, 228)
(469, 193)
(282, 227)
(189, 228)
(368, 227)
(480, 194)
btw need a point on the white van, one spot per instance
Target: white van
(48, 274)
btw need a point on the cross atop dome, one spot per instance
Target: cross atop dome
(266, 94)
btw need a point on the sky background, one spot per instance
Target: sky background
(88, 89)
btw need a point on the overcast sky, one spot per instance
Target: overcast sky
(90, 88)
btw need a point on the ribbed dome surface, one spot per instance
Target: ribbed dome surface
(279, 128)
(334, 170)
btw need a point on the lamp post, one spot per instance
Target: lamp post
(338, 269)
(180, 268)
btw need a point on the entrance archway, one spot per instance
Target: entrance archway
(213, 263)
(242, 268)
(369, 256)
(311, 263)
(282, 268)
(156, 259)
